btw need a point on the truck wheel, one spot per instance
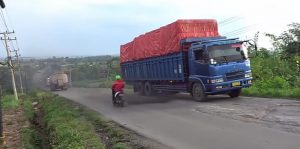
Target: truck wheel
(141, 88)
(135, 87)
(52, 88)
(148, 89)
(198, 93)
(235, 93)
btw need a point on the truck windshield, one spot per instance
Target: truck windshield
(226, 53)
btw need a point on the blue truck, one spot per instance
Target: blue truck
(186, 56)
(210, 66)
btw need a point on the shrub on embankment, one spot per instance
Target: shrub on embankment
(65, 125)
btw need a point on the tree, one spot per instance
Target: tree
(288, 43)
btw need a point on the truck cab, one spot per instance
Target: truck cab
(217, 66)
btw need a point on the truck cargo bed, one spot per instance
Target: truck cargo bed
(164, 68)
(166, 40)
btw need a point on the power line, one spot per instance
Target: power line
(9, 58)
(12, 26)
(238, 31)
(229, 21)
(3, 19)
(8, 18)
(6, 41)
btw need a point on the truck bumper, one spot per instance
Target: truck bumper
(225, 87)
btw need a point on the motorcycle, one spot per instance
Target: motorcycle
(118, 100)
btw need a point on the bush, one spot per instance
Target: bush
(272, 92)
(30, 139)
(67, 128)
(274, 77)
(9, 102)
(28, 109)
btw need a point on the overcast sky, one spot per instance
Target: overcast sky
(99, 27)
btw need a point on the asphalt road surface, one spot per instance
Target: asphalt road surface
(220, 123)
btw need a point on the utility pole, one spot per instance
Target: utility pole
(2, 5)
(255, 43)
(19, 69)
(70, 71)
(9, 60)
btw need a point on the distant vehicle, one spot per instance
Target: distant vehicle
(58, 81)
(48, 82)
(186, 56)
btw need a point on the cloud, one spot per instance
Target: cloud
(94, 27)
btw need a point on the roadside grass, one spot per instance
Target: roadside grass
(120, 146)
(65, 125)
(9, 102)
(73, 126)
(88, 83)
(108, 129)
(30, 139)
(272, 92)
(28, 109)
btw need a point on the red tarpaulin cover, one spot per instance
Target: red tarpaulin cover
(166, 40)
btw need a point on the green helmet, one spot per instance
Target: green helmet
(118, 77)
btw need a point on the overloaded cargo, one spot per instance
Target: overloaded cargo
(186, 56)
(58, 81)
(166, 40)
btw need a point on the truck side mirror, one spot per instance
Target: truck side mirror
(244, 54)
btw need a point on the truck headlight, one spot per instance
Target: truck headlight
(248, 75)
(213, 62)
(219, 80)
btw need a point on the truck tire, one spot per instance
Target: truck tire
(141, 88)
(198, 92)
(52, 88)
(148, 89)
(135, 88)
(235, 93)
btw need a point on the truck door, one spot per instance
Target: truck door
(198, 62)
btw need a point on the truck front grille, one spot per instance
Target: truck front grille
(235, 75)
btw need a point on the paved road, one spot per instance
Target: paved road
(221, 123)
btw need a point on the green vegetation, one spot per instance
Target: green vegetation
(28, 69)
(30, 138)
(59, 123)
(9, 102)
(116, 135)
(276, 73)
(94, 68)
(95, 71)
(73, 126)
(66, 127)
(120, 146)
(28, 109)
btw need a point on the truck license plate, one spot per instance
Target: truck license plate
(236, 83)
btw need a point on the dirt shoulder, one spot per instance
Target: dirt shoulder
(59, 112)
(13, 122)
(113, 132)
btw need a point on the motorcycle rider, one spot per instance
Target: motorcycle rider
(118, 86)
